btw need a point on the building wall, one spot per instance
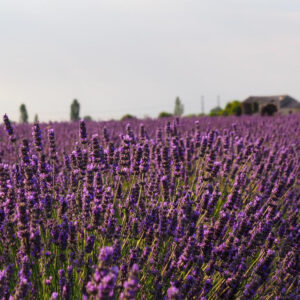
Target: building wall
(262, 106)
(249, 108)
(287, 111)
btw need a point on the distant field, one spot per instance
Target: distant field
(190, 208)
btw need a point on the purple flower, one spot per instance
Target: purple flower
(83, 134)
(131, 286)
(54, 296)
(9, 128)
(173, 293)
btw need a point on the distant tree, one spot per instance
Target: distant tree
(36, 118)
(236, 108)
(216, 111)
(233, 108)
(191, 116)
(179, 108)
(165, 114)
(75, 110)
(23, 114)
(87, 118)
(127, 116)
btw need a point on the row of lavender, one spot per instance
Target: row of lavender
(176, 209)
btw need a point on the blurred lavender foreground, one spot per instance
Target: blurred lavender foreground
(185, 208)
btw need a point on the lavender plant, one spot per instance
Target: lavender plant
(161, 209)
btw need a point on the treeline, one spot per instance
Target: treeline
(231, 108)
(74, 113)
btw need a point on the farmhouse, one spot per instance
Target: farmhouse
(270, 105)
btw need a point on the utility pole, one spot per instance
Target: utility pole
(202, 104)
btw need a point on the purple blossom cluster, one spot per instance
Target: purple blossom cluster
(185, 208)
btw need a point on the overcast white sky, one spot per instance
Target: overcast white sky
(136, 56)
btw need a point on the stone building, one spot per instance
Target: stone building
(270, 105)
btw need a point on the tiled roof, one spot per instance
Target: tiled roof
(285, 101)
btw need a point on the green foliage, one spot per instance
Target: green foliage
(233, 108)
(179, 108)
(195, 115)
(23, 114)
(165, 114)
(87, 118)
(127, 116)
(75, 110)
(191, 116)
(36, 118)
(216, 111)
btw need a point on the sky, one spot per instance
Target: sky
(136, 56)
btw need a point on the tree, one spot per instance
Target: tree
(75, 110)
(217, 111)
(36, 118)
(88, 118)
(191, 116)
(165, 114)
(23, 114)
(128, 117)
(233, 108)
(179, 108)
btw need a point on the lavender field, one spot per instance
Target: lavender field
(184, 208)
